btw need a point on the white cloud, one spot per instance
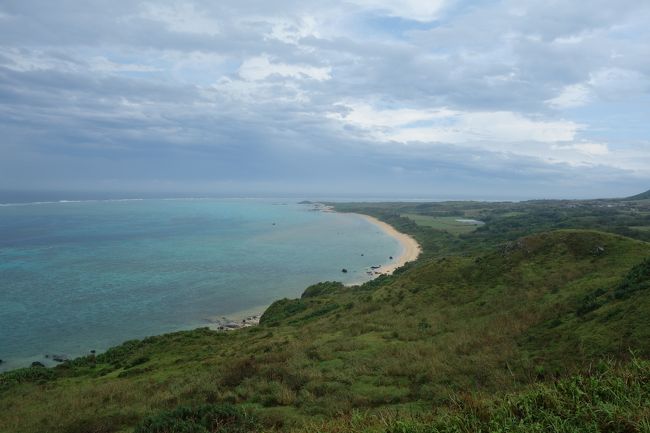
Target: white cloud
(255, 92)
(365, 116)
(616, 83)
(585, 148)
(292, 31)
(605, 83)
(594, 149)
(261, 67)
(36, 60)
(181, 17)
(418, 10)
(102, 64)
(574, 95)
(444, 125)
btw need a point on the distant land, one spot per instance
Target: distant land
(525, 316)
(642, 196)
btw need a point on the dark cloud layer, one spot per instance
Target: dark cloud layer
(432, 99)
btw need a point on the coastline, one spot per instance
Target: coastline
(410, 247)
(410, 251)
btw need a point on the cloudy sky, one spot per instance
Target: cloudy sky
(435, 99)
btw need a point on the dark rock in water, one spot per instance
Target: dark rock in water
(92, 351)
(59, 358)
(390, 257)
(1, 361)
(37, 364)
(361, 254)
(345, 271)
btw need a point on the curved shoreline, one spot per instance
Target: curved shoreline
(410, 247)
(410, 251)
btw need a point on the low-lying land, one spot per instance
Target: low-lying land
(538, 320)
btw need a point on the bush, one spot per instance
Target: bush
(323, 288)
(282, 309)
(26, 375)
(637, 279)
(239, 370)
(222, 418)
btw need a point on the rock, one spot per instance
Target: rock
(390, 257)
(1, 361)
(92, 351)
(59, 358)
(345, 271)
(37, 364)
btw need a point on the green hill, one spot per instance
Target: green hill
(475, 327)
(642, 196)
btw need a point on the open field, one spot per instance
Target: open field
(449, 224)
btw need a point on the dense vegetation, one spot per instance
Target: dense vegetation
(538, 320)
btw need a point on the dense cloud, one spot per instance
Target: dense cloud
(506, 99)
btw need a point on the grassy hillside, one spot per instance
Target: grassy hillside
(642, 196)
(451, 326)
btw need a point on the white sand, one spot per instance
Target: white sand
(410, 248)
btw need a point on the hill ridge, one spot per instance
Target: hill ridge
(642, 196)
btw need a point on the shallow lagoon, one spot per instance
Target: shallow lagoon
(76, 276)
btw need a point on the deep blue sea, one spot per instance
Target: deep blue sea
(76, 276)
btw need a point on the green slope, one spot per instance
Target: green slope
(642, 196)
(535, 309)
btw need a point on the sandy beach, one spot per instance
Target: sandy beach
(410, 248)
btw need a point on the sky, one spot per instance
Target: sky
(509, 99)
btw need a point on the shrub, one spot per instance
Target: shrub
(282, 309)
(637, 279)
(222, 418)
(323, 288)
(238, 371)
(26, 375)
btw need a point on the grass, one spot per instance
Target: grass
(607, 398)
(447, 224)
(488, 331)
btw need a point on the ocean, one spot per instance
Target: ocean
(81, 276)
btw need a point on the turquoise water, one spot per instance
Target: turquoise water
(89, 275)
